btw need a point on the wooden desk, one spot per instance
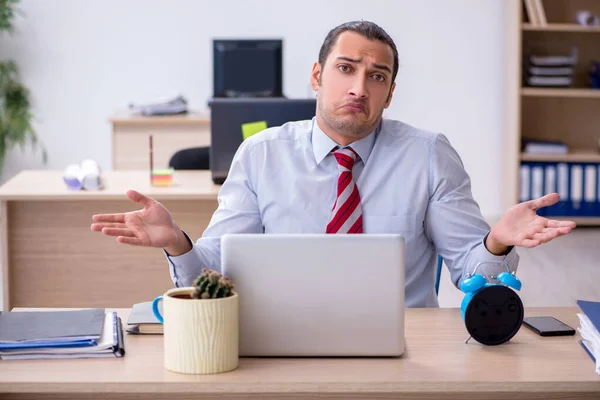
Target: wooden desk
(51, 258)
(437, 365)
(170, 134)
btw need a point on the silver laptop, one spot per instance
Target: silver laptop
(318, 294)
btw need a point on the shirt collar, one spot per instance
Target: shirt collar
(323, 144)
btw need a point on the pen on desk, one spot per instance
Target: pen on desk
(151, 155)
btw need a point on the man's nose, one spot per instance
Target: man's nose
(359, 88)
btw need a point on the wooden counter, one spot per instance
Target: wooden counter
(436, 365)
(171, 133)
(51, 258)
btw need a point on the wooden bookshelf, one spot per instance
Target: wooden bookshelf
(581, 221)
(566, 92)
(570, 114)
(573, 156)
(561, 28)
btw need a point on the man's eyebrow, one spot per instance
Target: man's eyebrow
(357, 60)
(352, 60)
(383, 67)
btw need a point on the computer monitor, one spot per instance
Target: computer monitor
(247, 68)
(227, 115)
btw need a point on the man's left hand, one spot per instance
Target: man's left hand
(521, 226)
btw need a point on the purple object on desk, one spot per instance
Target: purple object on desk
(72, 183)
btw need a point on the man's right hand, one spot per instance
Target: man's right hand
(151, 226)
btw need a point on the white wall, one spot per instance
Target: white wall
(83, 60)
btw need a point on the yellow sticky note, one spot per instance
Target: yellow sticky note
(252, 128)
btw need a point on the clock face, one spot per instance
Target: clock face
(494, 315)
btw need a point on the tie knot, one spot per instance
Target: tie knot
(346, 157)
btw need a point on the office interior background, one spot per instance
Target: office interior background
(84, 60)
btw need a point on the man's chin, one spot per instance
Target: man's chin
(352, 128)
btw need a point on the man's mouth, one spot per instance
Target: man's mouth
(356, 107)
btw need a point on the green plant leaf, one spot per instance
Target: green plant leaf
(7, 15)
(15, 106)
(15, 112)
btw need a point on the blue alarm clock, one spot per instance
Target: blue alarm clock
(492, 312)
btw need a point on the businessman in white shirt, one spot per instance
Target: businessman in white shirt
(348, 171)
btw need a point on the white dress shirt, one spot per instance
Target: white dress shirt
(410, 181)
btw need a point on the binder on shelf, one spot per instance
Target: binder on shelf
(525, 187)
(589, 190)
(550, 187)
(562, 188)
(537, 184)
(598, 190)
(576, 190)
(577, 184)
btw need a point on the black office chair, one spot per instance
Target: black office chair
(192, 158)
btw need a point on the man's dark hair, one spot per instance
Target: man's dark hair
(370, 30)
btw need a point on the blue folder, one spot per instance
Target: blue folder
(589, 353)
(48, 344)
(591, 309)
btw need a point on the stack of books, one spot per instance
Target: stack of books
(60, 334)
(178, 105)
(536, 14)
(589, 328)
(538, 146)
(554, 69)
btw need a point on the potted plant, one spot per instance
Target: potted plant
(201, 325)
(15, 104)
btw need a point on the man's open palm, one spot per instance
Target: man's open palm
(151, 226)
(521, 226)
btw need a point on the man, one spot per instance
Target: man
(348, 171)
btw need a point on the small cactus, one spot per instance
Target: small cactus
(212, 285)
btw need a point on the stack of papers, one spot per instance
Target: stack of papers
(60, 334)
(589, 329)
(544, 147)
(178, 105)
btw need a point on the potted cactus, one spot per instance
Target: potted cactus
(212, 285)
(201, 325)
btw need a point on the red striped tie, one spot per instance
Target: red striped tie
(347, 211)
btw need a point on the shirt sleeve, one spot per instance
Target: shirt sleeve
(237, 212)
(454, 222)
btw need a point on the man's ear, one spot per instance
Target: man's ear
(390, 95)
(315, 76)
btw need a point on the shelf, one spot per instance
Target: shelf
(561, 28)
(193, 117)
(580, 221)
(573, 156)
(561, 92)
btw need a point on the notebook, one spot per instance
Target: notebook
(589, 328)
(46, 328)
(110, 343)
(142, 320)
